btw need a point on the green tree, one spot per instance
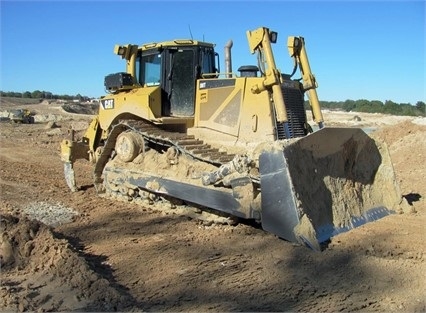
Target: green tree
(26, 94)
(421, 107)
(37, 94)
(391, 107)
(349, 105)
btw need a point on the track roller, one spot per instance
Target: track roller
(129, 145)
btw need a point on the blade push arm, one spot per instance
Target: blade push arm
(260, 41)
(297, 50)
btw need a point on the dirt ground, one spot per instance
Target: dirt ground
(116, 256)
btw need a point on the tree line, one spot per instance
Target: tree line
(375, 106)
(38, 94)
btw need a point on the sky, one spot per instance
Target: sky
(372, 50)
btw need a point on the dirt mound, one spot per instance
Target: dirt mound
(50, 270)
(80, 108)
(48, 110)
(407, 147)
(392, 134)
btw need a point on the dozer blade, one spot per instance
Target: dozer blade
(325, 183)
(70, 176)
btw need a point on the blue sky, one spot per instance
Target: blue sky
(357, 49)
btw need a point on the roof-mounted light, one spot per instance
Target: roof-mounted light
(273, 36)
(184, 41)
(123, 51)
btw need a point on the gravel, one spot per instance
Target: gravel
(51, 214)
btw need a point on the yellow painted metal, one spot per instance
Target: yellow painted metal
(176, 43)
(138, 102)
(234, 112)
(72, 150)
(297, 50)
(128, 52)
(93, 134)
(259, 40)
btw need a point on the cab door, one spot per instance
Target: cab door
(180, 81)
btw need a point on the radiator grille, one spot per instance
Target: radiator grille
(296, 114)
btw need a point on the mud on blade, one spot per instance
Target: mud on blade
(326, 183)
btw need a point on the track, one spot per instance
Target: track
(160, 139)
(112, 175)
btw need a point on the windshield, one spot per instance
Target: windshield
(149, 69)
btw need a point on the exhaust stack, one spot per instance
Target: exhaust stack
(228, 60)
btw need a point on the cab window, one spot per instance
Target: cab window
(149, 69)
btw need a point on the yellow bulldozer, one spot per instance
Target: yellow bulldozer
(175, 126)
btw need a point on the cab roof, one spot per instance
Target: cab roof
(175, 43)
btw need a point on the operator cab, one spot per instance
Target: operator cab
(175, 66)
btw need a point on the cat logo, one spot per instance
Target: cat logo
(107, 104)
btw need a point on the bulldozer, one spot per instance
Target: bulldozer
(174, 126)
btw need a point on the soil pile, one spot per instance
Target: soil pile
(407, 147)
(41, 272)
